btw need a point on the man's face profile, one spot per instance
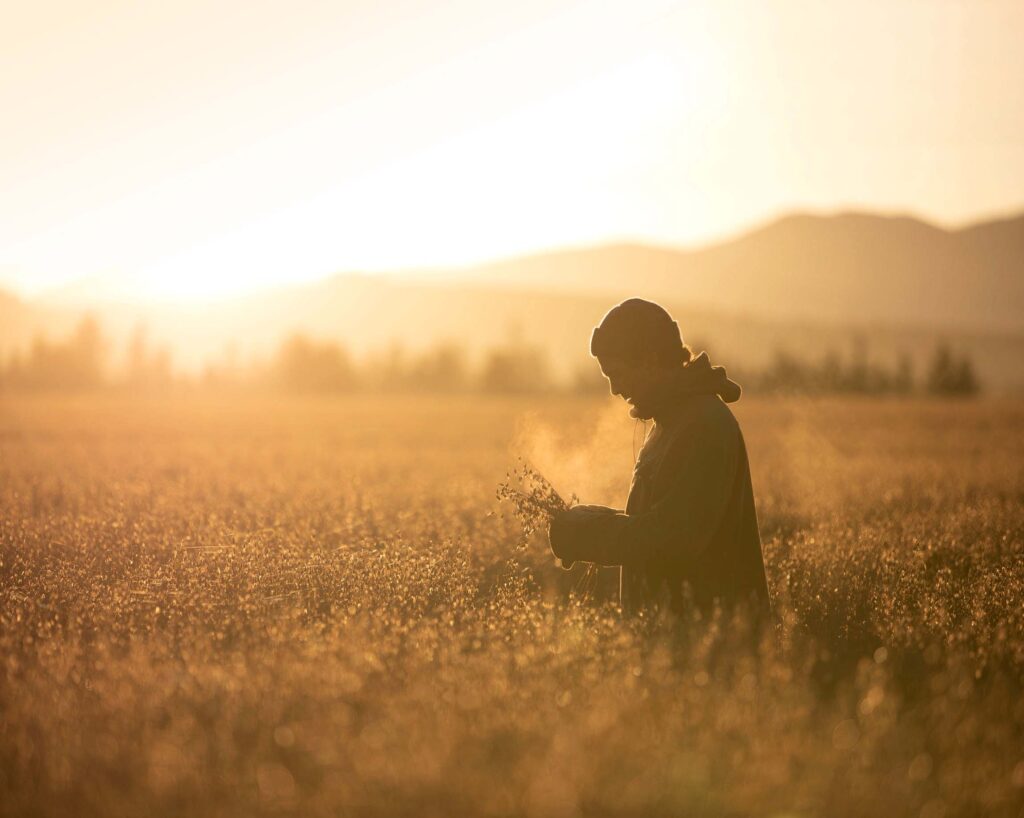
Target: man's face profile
(634, 381)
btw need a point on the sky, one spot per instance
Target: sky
(200, 149)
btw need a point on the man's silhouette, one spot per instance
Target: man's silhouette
(689, 526)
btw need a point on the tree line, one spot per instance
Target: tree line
(306, 365)
(947, 373)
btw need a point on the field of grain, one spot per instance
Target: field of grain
(242, 606)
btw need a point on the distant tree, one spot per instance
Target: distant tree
(516, 368)
(786, 373)
(949, 375)
(904, 380)
(304, 365)
(830, 372)
(442, 369)
(146, 369)
(387, 370)
(966, 379)
(789, 373)
(11, 373)
(857, 375)
(77, 363)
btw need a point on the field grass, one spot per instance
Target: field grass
(235, 607)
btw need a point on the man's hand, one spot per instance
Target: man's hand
(567, 531)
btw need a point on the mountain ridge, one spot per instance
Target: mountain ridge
(847, 265)
(553, 300)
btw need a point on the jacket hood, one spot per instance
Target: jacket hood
(699, 377)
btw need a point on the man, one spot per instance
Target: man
(689, 528)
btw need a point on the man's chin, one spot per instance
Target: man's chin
(639, 412)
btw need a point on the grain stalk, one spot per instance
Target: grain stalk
(534, 502)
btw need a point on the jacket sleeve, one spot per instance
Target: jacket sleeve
(684, 519)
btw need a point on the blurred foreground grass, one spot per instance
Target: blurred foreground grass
(261, 607)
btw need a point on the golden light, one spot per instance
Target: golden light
(521, 181)
(268, 144)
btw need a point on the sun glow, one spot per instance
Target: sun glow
(498, 188)
(266, 144)
(532, 135)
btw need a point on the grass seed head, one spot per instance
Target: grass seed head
(533, 498)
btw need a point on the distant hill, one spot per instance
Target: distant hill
(803, 284)
(851, 267)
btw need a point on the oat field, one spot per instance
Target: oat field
(246, 606)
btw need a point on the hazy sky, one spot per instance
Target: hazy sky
(191, 148)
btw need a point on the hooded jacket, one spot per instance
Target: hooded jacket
(689, 527)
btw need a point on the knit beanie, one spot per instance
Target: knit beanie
(637, 329)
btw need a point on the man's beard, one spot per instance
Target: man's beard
(640, 411)
(652, 400)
